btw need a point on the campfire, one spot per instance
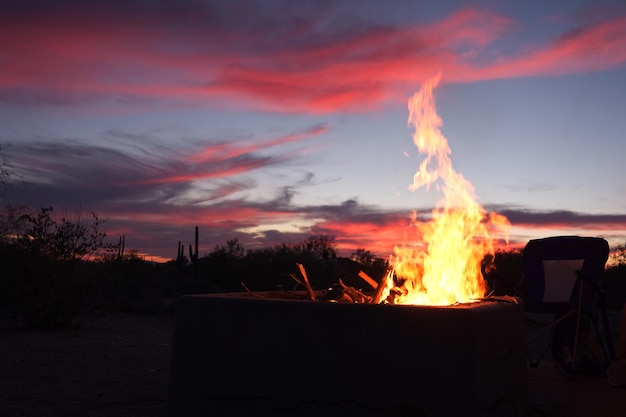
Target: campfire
(234, 354)
(442, 265)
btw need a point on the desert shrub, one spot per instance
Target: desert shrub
(38, 291)
(133, 285)
(63, 238)
(45, 280)
(227, 266)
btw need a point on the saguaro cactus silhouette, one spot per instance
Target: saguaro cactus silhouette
(193, 250)
(195, 253)
(120, 248)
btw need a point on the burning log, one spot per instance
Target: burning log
(385, 292)
(368, 279)
(355, 295)
(339, 293)
(307, 284)
(253, 294)
(381, 289)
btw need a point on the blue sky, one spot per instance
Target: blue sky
(271, 121)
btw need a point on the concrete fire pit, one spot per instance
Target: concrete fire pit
(237, 355)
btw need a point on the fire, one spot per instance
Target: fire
(445, 266)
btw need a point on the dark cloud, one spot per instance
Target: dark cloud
(377, 229)
(154, 224)
(138, 167)
(565, 219)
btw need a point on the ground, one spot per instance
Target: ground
(104, 366)
(118, 365)
(552, 394)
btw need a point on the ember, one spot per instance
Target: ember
(445, 266)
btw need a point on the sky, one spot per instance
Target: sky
(271, 121)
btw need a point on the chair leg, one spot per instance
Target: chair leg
(577, 332)
(606, 327)
(535, 362)
(550, 326)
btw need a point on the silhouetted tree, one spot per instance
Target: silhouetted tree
(11, 215)
(6, 170)
(233, 249)
(319, 247)
(363, 256)
(12, 221)
(63, 239)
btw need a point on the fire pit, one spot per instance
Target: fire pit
(236, 354)
(438, 355)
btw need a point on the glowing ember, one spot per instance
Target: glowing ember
(445, 266)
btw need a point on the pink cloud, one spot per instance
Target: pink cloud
(228, 150)
(277, 66)
(379, 238)
(591, 48)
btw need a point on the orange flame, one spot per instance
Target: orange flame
(445, 268)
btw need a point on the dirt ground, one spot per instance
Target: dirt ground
(552, 394)
(105, 366)
(119, 366)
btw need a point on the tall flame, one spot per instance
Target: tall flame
(445, 266)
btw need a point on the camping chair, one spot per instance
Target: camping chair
(563, 276)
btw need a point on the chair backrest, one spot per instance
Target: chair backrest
(550, 266)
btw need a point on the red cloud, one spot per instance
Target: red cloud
(207, 174)
(592, 48)
(377, 238)
(228, 150)
(280, 66)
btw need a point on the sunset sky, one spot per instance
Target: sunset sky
(269, 121)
